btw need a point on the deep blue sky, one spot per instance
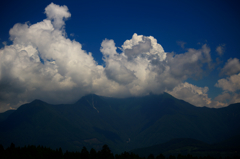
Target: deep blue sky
(195, 22)
(211, 22)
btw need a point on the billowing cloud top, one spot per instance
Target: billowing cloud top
(57, 14)
(42, 63)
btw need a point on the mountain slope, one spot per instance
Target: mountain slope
(123, 124)
(185, 146)
(37, 123)
(4, 115)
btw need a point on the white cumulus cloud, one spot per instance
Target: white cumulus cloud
(198, 96)
(231, 88)
(57, 14)
(231, 84)
(42, 63)
(193, 94)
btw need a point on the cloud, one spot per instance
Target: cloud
(227, 98)
(220, 49)
(57, 14)
(181, 43)
(231, 67)
(65, 70)
(198, 96)
(190, 63)
(224, 97)
(231, 87)
(231, 84)
(4, 43)
(42, 63)
(235, 98)
(144, 66)
(192, 94)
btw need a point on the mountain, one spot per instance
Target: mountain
(4, 115)
(185, 146)
(122, 124)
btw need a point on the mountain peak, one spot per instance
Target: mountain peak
(38, 101)
(88, 97)
(91, 100)
(95, 120)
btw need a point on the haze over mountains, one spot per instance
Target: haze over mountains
(123, 124)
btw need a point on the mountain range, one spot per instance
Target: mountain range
(187, 146)
(122, 124)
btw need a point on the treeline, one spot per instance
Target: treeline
(40, 152)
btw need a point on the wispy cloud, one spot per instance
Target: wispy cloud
(182, 44)
(220, 49)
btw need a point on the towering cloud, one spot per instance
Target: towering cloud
(42, 63)
(57, 14)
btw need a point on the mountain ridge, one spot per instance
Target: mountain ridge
(123, 124)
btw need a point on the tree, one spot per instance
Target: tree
(151, 156)
(106, 153)
(93, 154)
(172, 157)
(1, 151)
(160, 156)
(84, 153)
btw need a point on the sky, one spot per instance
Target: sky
(59, 51)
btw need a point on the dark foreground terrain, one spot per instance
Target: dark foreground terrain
(40, 152)
(185, 146)
(122, 124)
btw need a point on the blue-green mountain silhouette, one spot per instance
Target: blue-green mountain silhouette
(188, 146)
(123, 124)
